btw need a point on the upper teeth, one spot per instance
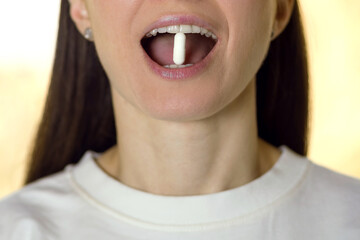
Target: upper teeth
(181, 29)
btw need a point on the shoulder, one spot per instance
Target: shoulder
(320, 180)
(332, 196)
(29, 211)
(332, 182)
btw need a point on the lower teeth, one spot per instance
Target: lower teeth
(178, 66)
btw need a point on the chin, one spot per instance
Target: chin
(175, 108)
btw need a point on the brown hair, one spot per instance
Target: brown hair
(78, 114)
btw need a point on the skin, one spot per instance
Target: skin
(190, 137)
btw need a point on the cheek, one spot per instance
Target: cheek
(111, 22)
(248, 20)
(249, 24)
(108, 19)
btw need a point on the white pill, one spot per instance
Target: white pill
(179, 48)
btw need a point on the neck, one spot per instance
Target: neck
(188, 158)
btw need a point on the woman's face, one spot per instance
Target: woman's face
(243, 28)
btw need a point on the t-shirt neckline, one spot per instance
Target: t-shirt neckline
(119, 199)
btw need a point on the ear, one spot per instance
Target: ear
(283, 14)
(79, 15)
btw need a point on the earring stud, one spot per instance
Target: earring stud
(272, 34)
(89, 34)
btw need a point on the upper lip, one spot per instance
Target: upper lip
(179, 19)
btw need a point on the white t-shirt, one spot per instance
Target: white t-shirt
(295, 199)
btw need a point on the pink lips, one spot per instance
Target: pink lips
(180, 73)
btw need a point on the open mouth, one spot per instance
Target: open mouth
(159, 45)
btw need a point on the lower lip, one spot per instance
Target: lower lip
(180, 73)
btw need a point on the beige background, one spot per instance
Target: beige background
(27, 40)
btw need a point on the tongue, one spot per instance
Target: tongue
(160, 48)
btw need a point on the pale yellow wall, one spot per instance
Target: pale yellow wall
(27, 38)
(333, 35)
